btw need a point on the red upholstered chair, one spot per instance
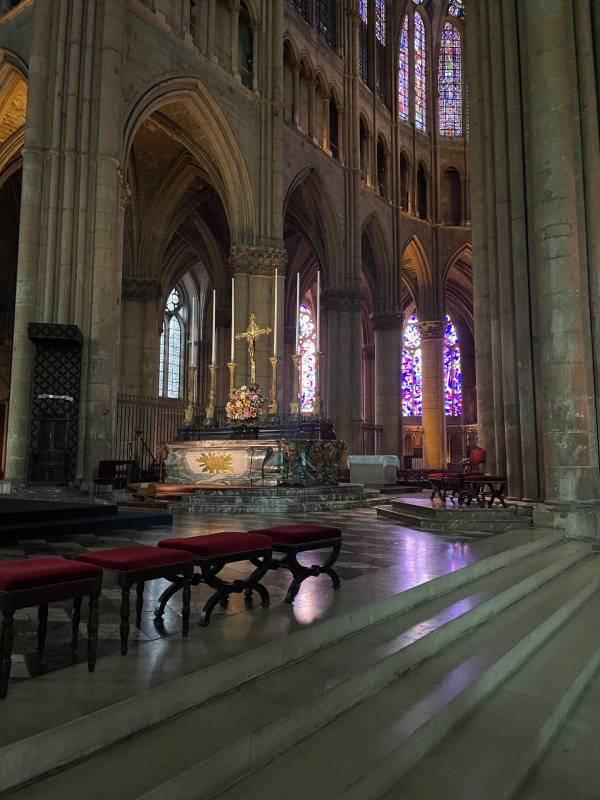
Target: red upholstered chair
(37, 582)
(475, 463)
(138, 564)
(107, 473)
(211, 553)
(294, 539)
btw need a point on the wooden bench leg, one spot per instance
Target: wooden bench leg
(139, 603)
(42, 627)
(124, 627)
(92, 630)
(300, 573)
(76, 619)
(6, 645)
(185, 611)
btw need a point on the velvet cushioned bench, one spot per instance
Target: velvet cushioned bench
(138, 564)
(37, 582)
(211, 553)
(293, 539)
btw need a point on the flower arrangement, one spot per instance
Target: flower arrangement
(246, 405)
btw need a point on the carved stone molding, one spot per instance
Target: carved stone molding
(341, 300)
(432, 329)
(144, 290)
(386, 321)
(251, 260)
(368, 352)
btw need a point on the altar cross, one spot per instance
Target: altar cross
(251, 334)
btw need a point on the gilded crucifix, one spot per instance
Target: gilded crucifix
(251, 335)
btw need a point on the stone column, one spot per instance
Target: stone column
(211, 15)
(325, 97)
(434, 415)
(140, 337)
(388, 390)
(368, 375)
(234, 10)
(296, 96)
(311, 108)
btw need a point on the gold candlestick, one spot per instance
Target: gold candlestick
(317, 412)
(209, 421)
(232, 365)
(190, 420)
(295, 416)
(273, 416)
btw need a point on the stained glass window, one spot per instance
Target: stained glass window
(161, 366)
(456, 8)
(363, 42)
(301, 7)
(174, 357)
(412, 381)
(403, 112)
(380, 20)
(450, 83)
(452, 372)
(420, 75)
(364, 10)
(169, 376)
(308, 346)
(325, 21)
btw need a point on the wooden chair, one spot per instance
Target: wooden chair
(107, 474)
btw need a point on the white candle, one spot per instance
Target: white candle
(193, 333)
(318, 312)
(297, 313)
(214, 331)
(275, 324)
(232, 359)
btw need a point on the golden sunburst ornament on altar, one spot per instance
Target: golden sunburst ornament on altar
(215, 463)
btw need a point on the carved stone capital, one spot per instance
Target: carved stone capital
(368, 352)
(432, 329)
(251, 260)
(385, 321)
(342, 300)
(143, 290)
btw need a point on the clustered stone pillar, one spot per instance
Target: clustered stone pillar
(434, 413)
(388, 389)
(140, 337)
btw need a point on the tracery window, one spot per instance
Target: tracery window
(452, 372)
(403, 94)
(363, 37)
(412, 379)
(450, 83)
(420, 75)
(169, 376)
(380, 49)
(456, 8)
(308, 346)
(325, 21)
(301, 6)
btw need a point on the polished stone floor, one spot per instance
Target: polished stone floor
(370, 544)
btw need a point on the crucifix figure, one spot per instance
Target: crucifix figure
(251, 335)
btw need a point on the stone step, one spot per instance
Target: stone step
(286, 492)
(127, 696)
(492, 754)
(476, 527)
(452, 511)
(274, 713)
(365, 752)
(270, 508)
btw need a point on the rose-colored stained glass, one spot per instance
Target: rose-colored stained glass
(412, 381)
(452, 372)
(420, 75)
(403, 110)
(450, 83)
(308, 346)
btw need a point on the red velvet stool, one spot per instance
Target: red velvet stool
(294, 539)
(37, 582)
(211, 553)
(139, 564)
(443, 482)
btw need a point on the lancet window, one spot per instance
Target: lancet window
(420, 74)
(403, 93)
(308, 346)
(380, 49)
(452, 372)
(363, 37)
(412, 379)
(325, 21)
(450, 83)
(169, 377)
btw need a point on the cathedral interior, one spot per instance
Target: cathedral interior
(346, 252)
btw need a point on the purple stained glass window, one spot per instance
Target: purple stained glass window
(420, 75)
(456, 8)
(450, 83)
(452, 372)
(403, 112)
(380, 20)
(412, 381)
(308, 346)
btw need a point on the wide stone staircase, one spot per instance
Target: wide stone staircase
(454, 688)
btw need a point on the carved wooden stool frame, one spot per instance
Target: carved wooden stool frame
(127, 578)
(210, 566)
(40, 596)
(299, 572)
(475, 490)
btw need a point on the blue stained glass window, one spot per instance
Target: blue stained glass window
(169, 375)
(174, 357)
(412, 380)
(403, 111)
(364, 10)
(161, 366)
(420, 75)
(456, 8)
(450, 83)
(308, 346)
(380, 20)
(452, 372)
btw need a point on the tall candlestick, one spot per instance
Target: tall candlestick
(275, 325)
(214, 329)
(318, 311)
(297, 313)
(193, 334)
(232, 320)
